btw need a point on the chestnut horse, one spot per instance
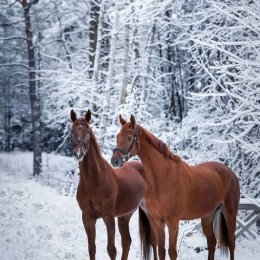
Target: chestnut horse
(177, 191)
(104, 192)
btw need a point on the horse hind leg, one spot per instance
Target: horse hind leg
(229, 211)
(207, 227)
(123, 225)
(231, 229)
(230, 219)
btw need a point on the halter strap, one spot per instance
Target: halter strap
(127, 153)
(80, 141)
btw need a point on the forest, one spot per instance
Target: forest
(189, 70)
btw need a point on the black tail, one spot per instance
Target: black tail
(222, 233)
(145, 234)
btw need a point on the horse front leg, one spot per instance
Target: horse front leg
(158, 233)
(89, 225)
(110, 225)
(154, 242)
(173, 226)
(123, 225)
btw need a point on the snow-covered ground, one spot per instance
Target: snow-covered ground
(37, 222)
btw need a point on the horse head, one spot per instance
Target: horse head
(127, 142)
(80, 134)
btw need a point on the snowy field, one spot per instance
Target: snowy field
(38, 222)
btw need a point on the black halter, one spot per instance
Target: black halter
(83, 143)
(127, 154)
(80, 141)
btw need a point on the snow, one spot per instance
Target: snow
(37, 222)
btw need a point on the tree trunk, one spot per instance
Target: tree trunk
(109, 84)
(123, 92)
(181, 94)
(7, 118)
(34, 97)
(93, 31)
(62, 38)
(172, 80)
(192, 73)
(149, 64)
(97, 57)
(135, 47)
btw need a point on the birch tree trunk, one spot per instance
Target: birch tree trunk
(62, 37)
(34, 96)
(123, 92)
(149, 65)
(110, 78)
(97, 57)
(93, 31)
(135, 52)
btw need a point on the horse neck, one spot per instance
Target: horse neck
(155, 163)
(92, 166)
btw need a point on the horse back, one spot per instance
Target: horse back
(227, 176)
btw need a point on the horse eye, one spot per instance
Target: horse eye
(129, 138)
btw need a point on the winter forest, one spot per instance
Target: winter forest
(188, 70)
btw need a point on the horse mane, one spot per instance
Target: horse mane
(95, 143)
(159, 145)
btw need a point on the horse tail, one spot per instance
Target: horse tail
(221, 232)
(145, 234)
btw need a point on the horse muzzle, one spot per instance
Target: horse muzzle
(116, 161)
(80, 150)
(79, 155)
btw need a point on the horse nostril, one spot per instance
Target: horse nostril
(114, 162)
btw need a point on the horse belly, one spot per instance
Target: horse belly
(127, 205)
(131, 189)
(203, 202)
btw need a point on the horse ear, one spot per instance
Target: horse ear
(132, 120)
(73, 116)
(122, 120)
(88, 116)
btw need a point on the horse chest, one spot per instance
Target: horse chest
(96, 203)
(93, 207)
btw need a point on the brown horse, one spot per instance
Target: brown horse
(104, 192)
(178, 191)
